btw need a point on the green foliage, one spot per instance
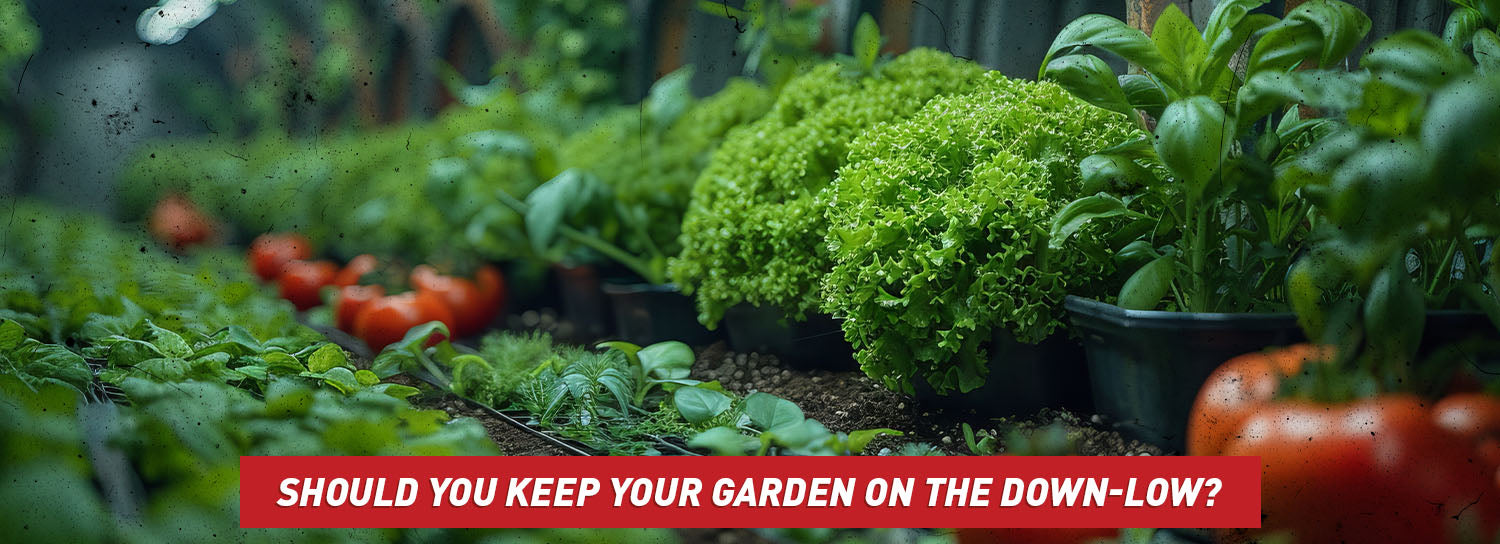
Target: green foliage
(504, 361)
(423, 192)
(645, 160)
(68, 275)
(1407, 182)
(182, 442)
(37, 363)
(778, 38)
(754, 230)
(211, 368)
(19, 35)
(768, 421)
(1211, 231)
(938, 228)
(633, 400)
(573, 48)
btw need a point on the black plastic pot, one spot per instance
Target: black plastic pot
(1145, 367)
(648, 313)
(817, 343)
(583, 301)
(1023, 379)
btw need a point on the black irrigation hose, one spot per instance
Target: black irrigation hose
(559, 443)
(551, 440)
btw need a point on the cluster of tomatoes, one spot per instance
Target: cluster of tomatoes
(365, 309)
(1389, 468)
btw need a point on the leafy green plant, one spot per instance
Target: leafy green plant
(1408, 183)
(572, 50)
(754, 231)
(938, 230)
(1213, 232)
(178, 445)
(36, 362)
(629, 176)
(421, 192)
(210, 367)
(770, 421)
(632, 400)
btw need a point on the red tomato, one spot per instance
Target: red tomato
(1373, 470)
(384, 321)
(353, 299)
(176, 222)
(1034, 536)
(1237, 389)
(473, 307)
(270, 252)
(302, 281)
(355, 269)
(1476, 418)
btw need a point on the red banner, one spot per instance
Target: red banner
(689, 492)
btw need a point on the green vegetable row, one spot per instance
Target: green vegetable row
(627, 399)
(199, 366)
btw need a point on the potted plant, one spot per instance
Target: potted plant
(938, 231)
(1399, 398)
(622, 196)
(753, 235)
(1215, 227)
(1403, 264)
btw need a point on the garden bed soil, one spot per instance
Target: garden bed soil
(850, 400)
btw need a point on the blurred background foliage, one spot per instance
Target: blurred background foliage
(83, 91)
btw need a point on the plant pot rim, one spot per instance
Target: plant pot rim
(630, 288)
(1161, 319)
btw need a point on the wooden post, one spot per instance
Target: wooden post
(1142, 14)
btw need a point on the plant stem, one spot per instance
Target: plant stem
(1443, 266)
(1198, 256)
(635, 264)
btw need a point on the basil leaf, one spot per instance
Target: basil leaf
(1146, 287)
(698, 405)
(1090, 78)
(1192, 138)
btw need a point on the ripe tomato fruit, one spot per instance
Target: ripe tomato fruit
(384, 321)
(1237, 389)
(1391, 468)
(1372, 470)
(1476, 418)
(270, 252)
(353, 299)
(1034, 536)
(176, 222)
(302, 281)
(473, 303)
(356, 269)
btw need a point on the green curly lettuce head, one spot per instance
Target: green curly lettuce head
(938, 229)
(754, 230)
(651, 176)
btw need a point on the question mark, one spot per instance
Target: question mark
(1217, 485)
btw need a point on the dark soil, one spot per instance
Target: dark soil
(847, 400)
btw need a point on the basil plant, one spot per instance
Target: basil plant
(1211, 230)
(1408, 183)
